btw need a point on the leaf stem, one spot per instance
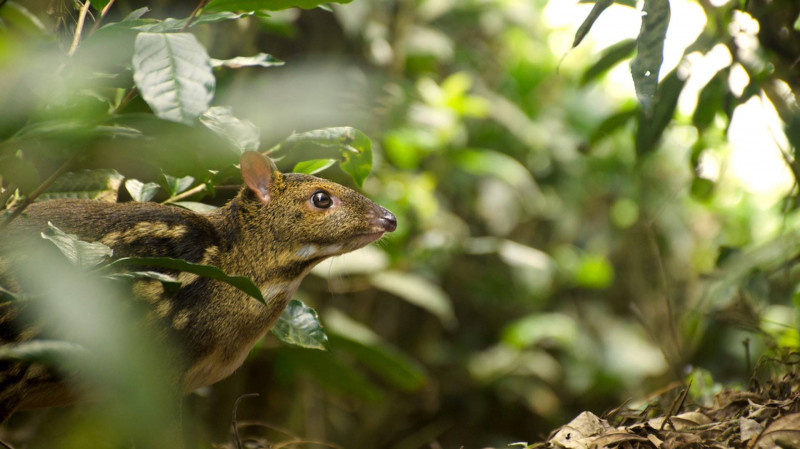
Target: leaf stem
(196, 189)
(39, 190)
(102, 16)
(79, 28)
(194, 14)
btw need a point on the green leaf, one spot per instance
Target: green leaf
(265, 5)
(242, 134)
(201, 208)
(533, 329)
(100, 184)
(702, 189)
(594, 272)
(260, 60)
(373, 352)
(170, 283)
(493, 163)
(629, 3)
(300, 326)
(209, 271)
(313, 166)
(651, 127)
(140, 191)
(650, 52)
(173, 73)
(171, 25)
(80, 253)
(710, 101)
(21, 18)
(610, 57)
(583, 30)
(19, 172)
(612, 123)
(354, 145)
(418, 291)
(326, 370)
(797, 23)
(178, 185)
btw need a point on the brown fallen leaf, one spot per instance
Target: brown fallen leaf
(579, 432)
(682, 421)
(783, 432)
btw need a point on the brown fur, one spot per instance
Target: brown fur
(270, 232)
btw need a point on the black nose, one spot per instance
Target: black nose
(388, 220)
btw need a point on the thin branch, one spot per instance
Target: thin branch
(102, 16)
(194, 14)
(39, 190)
(79, 28)
(196, 189)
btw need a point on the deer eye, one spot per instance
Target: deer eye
(321, 200)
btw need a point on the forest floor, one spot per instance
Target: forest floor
(765, 416)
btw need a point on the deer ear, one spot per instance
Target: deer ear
(258, 172)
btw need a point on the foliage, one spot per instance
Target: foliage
(564, 243)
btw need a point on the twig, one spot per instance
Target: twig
(39, 190)
(196, 189)
(233, 419)
(79, 28)
(102, 15)
(677, 404)
(125, 100)
(194, 14)
(3, 443)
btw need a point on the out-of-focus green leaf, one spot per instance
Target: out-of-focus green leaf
(701, 189)
(173, 73)
(242, 134)
(48, 352)
(583, 30)
(594, 272)
(385, 361)
(612, 123)
(313, 166)
(101, 185)
(533, 329)
(499, 165)
(300, 326)
(16, 15)
(610, 57)
(650, 52)
(265, 5)
(80, 253)
(797, 23)
(178, 185)
(326, 370)
(709, 101)
(73, 128)
(209, 271)
(260, 60)
(652, 127)
(418, 291)
(355, 147)
(140, 191)
(20, 172)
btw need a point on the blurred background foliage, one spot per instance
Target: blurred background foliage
(559, 249)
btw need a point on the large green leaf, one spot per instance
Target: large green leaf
(300, 326)
(173, 73)
(242, 134)
(82, 254)
(209, 271)
(354, 145)
(373, 352)
(101, 184)
(265, 5)
(651, 126)
(650, 52)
